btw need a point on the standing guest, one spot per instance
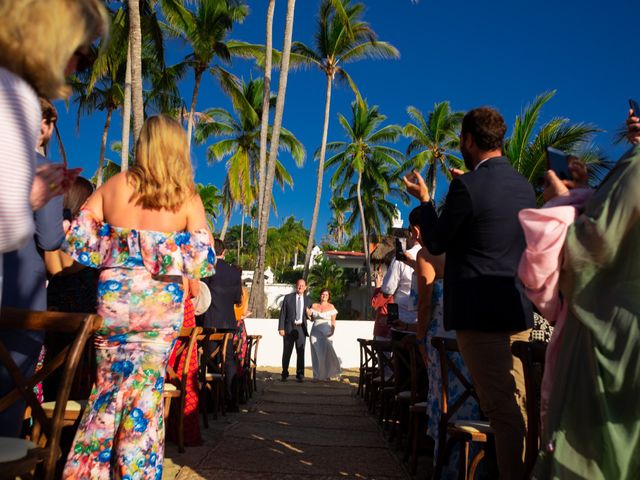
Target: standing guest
(484, 300)
(324, 360)
(292, 327)
(226, 291)
(592, 425)
(144, 229)
(37, 51)
(240, 338)
(24, 283)
(398, 282)
(429, 275)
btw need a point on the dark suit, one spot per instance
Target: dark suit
(226, 290)
(482, 237)
(293, 334)
(484, 300)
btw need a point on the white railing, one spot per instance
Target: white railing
(344, 342)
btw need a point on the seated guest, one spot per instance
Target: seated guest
(25, 279)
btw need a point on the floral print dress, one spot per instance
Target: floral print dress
(470, 410)
(140, 298)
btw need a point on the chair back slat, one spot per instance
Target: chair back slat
(383, 351)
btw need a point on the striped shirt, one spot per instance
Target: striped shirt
(19, 128)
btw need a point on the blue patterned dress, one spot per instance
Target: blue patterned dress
(470, 410)
(140, 298)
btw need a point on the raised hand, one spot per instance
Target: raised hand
(47, 183)
(416, 187)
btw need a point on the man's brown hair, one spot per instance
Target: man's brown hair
(49, 112)
(486, 126)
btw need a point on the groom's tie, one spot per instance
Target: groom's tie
(298, 310)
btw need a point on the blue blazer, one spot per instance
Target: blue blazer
(25, 276)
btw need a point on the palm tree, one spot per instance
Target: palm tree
(264, 120)
(326, 274)
(240, 145)
(433, 142)
(256, 300)
(135, 48)
(205, 30)
(364, 155)
(379, 210)
(527, 152)
(342, 37)
(337, 227)
(211, 200)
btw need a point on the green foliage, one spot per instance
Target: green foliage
(433, 142)
(240, 142)
(527, 151)
(366, 157)
(326, 274)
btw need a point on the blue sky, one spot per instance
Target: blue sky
(496, 52)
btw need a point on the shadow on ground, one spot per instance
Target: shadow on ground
(291, 430)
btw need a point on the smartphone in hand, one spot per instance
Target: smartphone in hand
(635, 107)
(401, 244)
(558, 161)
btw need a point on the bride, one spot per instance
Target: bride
(324, 360)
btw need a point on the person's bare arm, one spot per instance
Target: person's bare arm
(426, 275)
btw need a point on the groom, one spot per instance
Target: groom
(292, 327)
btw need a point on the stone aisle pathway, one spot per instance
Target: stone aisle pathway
(291, 430)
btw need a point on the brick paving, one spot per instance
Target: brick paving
(291, 431)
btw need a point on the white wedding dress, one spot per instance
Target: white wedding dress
(324, 360)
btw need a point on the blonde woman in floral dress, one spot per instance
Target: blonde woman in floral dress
(144, 229)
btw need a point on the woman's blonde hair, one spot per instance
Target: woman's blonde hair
(162, 175)
(38, 38)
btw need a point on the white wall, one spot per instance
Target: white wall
(344, 342)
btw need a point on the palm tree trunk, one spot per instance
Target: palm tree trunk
(365, 241)
(225, 224)
(256, 300)
(242, 230)
(103, 147)
(135, 41)
(194, 98)
(434, 182)
(323, 152)
(264, 121)
(126, 115)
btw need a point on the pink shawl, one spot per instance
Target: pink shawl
(545, 231)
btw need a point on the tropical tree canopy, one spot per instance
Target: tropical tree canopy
(433, 142)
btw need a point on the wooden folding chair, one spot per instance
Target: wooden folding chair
(212, 371)
(365, 364)
(175, 386)
(253, 362)
(383, 377)
(44, 446)
(532, 355)
(457, 431)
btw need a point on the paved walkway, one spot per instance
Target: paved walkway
(291, 430)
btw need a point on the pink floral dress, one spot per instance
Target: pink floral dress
(121, 434)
